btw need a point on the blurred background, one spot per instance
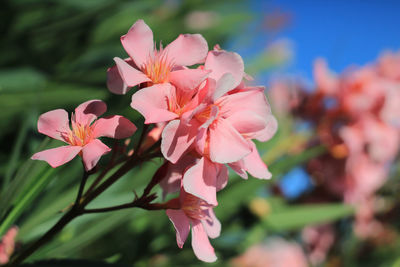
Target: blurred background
(333, 199)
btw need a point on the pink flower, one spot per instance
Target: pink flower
(7, 245)
(365, 225)
(166, 102)
(285, 96)
(150, 66)
(199, 216)
(326, 81)
(222, 124)
(389, 65)
(214, 122)
(82, 137)
(318, 240)
(369, 135)
(390, 112)
(275, 253)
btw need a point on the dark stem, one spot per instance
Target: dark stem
(78, 208)
(139, 203)
(69, 216)
(110, 165)
(81, 187)
(141, 138)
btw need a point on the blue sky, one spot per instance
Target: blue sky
(344, 32)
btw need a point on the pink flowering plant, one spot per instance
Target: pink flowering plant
(200, 118)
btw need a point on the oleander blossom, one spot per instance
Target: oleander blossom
(215, 123)
(7, 245)
(207, 117)
(197, 215)
(147, 66)
(82, 136)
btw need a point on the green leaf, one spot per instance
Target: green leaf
(42, 180)
(24, 177)
(72, 263)
(15, 154)
(20, 79)
(295, 217)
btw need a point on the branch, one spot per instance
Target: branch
(81, 187)
(143, 203)
(141, 138)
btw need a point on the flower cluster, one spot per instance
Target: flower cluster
(356, 116)
(205, 118)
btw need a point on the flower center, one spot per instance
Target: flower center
(206, 114)
(158, 66)
(80, 134)
(195, 207)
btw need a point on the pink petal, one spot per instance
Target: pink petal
(240, 101)
(115, 83)
(200, 243)
(255, 165)
(200, 181)
(212, 226)
(171, 183)
(269, 131)
(222, 176)
(181, 224)
(176, 138)
(225, 84)
(221, 62)
(57, 156)
(200, 142)
(187, 50)
(138, 42)
(54, 123)
(114, 127)
(130, 75)
(226, 144)
(92, 152)
(188, 79)
(152, 103)
(87, 112)
(239, 168)
(247, 123)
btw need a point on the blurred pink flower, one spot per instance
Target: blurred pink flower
(150, 66)
(202, 20)
(362, 91)
(390, 111)
(7, 245)
(389, 65)
(285, 96)
(366, 226)
(82, 137)
(275, 253)
(326, 81)
(318, 240)
(369, 135)
(199, 216)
